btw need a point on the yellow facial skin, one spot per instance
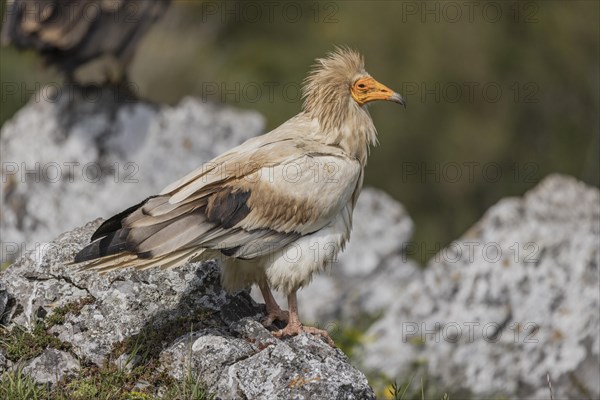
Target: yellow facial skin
(367, 89)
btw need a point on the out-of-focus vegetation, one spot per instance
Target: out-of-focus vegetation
(499, 93)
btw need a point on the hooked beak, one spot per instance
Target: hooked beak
(367, 89)
(397, 98)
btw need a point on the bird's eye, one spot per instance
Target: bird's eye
(361, 85)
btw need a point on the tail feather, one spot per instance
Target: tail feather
(114, 223)
(111, 243)
(200, 199)
(111, 237)
(154, 232)
(149, 220)
(126, 260)
(114, 261)
(175, 235)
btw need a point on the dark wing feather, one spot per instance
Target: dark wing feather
(227, 208)
(114, 223)
(111, 243)
(204, 222)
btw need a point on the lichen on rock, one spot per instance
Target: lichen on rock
(181, 320)
(513, 300)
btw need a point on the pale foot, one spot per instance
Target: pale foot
(295, 329)
(274, 312)
(275, 315)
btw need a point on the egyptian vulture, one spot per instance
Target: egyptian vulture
(276, 209)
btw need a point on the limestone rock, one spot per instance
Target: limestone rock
(51, 366)
(181, 317)
(256, 366)
(515, 298)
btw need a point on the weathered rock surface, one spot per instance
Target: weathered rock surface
(77, 156)
(515, 298)
(288, 368)
(161, 314)
(51, 366)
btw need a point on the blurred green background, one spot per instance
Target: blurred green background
(500, 94)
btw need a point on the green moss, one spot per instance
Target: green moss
(137, 396)
(82, 390)
(98, 383)
(21, 344)
(59, 313)
(106, 382)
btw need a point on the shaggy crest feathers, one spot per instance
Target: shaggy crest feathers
(326, 90)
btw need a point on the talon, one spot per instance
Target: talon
(275, 315)
(294, 330)
(293, 327)
(274, 312)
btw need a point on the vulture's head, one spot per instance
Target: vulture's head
(338, 87)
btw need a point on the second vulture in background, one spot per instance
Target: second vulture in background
(71, 33)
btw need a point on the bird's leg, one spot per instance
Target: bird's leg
(294, 326)
(274, 312)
